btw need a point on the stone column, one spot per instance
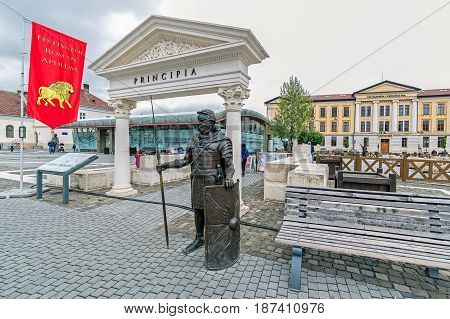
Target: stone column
(357, 117)
(234, 97)
(394, 113)
(122, 185)
(375, 112)
(414, 116)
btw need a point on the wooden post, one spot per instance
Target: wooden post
(404, 168)
(430, 170)
(358, 162)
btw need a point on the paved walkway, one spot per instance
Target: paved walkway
(118, 250)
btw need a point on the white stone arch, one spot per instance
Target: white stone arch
(167, 57)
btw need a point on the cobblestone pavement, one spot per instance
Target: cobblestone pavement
(117, 250)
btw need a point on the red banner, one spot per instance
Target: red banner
(56, 73)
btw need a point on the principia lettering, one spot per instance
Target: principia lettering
(165, 76)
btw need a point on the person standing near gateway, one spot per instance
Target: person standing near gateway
(210, 153)
(244, 154)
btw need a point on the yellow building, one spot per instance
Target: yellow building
(387, 117)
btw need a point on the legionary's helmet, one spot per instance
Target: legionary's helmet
(210, 116)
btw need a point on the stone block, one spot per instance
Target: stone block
(309, 175)
(302, 153)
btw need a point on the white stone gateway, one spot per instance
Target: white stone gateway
(167, 57)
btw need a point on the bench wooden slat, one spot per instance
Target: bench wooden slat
(398, 253)
(370, 230)
(295, 232)
(351, 208)
(365, 251)
(379, 196)
(372, 202)
(406, 197)
(365, 219)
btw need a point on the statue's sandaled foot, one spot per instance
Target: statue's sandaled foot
(196, 244)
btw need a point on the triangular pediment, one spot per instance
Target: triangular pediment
(387, 87)
(162, 44)
(161, 38)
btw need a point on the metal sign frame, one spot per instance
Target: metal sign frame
(65, 174)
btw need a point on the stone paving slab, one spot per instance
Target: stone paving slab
(118, 250)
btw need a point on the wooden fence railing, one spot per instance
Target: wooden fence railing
(405, 168)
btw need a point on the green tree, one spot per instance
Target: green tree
(303, 137)
(346, 142)
(444, 142)
(293, 111)
(316, 138)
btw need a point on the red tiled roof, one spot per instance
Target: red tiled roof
(332, 97)
(10, 102)
(89, 100)
(434, 92)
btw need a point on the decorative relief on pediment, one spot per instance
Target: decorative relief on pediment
(166, 47)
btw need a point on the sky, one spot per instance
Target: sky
(312, 40)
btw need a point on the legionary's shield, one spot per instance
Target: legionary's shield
(222, 229)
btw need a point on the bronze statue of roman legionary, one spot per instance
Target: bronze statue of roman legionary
(210, 155)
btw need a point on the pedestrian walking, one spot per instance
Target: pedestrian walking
(138, 157)
(244, 155)
(74, 148)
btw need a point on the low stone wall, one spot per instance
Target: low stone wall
(86, 179)
(309, 175)
(147, 174)
(101, 178)
(277, 173)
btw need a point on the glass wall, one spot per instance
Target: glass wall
(170, 137)
(85, 139)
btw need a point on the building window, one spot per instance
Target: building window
(365, 126)
(24, 131)
(384, 110)
(441, 109)
(403, 126)
(404, 142)
(440, 125)
(9, 131)
(333, 126)
(426, 125)
(366, 142)
(426, 109)
(311, 126)
(334, 112)
(82, 115)
(384, 126)
(426, 141)
(365, 110)
(403, 110)
(346, 111)
(323, 112)
(346, 126)
(441, 141)
(333, 141)
(322, 126)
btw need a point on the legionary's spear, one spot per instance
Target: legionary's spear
(161, 181)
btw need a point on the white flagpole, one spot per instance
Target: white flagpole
(22, 87)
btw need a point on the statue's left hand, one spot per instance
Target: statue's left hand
(229, 184)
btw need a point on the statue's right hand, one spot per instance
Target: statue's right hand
(162, 167)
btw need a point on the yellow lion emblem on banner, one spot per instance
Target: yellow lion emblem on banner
(58, 90)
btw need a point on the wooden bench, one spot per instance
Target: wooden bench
(398, 227)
